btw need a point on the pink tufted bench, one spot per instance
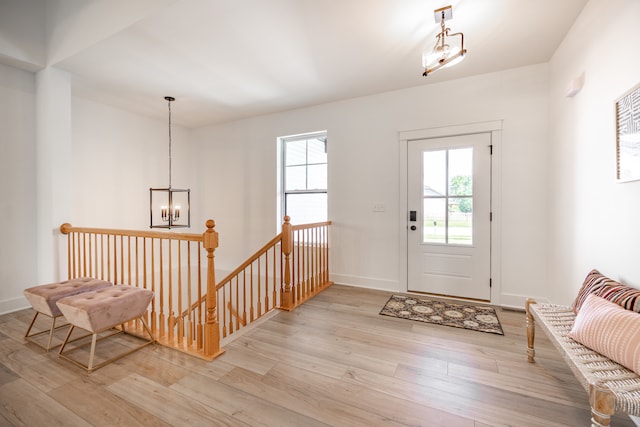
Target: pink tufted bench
(104, 309)
(43, 299)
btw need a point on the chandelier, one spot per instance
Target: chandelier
(449, 48)
(169, 207)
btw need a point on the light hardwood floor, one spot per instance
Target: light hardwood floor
(333, 361)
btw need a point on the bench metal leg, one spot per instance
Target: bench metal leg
(90, 367)
(93, 352)
(531, 332)
(28, 336)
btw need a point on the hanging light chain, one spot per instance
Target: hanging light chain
(169, 99)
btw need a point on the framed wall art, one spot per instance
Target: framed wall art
(628, 136)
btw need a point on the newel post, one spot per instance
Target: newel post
(211, 328)
(287, 245)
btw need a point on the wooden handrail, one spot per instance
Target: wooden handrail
(311, 225)
(67, 228)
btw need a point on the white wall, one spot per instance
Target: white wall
(237, 172)
(18, 260)
(117, 157)
(594, 219)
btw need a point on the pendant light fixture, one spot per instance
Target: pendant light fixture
(449, 48)
(169, 207)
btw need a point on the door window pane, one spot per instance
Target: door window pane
(435, 216)
(461, 172)
(448, 196)
(435, 177)
(460, 221)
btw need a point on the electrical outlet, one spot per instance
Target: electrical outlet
(378, 207)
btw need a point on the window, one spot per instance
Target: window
(304, 177)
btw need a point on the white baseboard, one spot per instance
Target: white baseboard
(13, 304)
(366, 282)
(517, 302)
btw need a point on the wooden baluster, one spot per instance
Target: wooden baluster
(244, 292)
(232, 318)
(180, 319)
(297, 260)
(316, 253)
(304, 256)
(144, 281)
(121, 260)
(224, 312)
(171, 320)
(287, 241)
(188, 320)
(200, 326)
(326, 272)
(211, 327)
(259, 305)
(323, 268)
(251, 302)
(275, 287)
(75, 255)
(129, 281)
(101, 256)
(161, 319)
(90, 269)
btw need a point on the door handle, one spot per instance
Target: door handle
(413, 228)
(412, 215)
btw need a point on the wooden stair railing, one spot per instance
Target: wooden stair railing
(170, 264)
(286, 272)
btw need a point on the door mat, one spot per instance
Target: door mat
(474, 317)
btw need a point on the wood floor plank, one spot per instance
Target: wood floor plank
(293, 357)
(365, 398)
(467, 400)
(292, 394)
(25, 405)
(111, 409)
(168, 405)
(253, 410)
(7, 375)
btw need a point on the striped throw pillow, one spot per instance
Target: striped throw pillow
(610, 330)
(598, 284)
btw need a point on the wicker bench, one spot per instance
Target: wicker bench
(611, 387)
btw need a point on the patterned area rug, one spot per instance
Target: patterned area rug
(474, 317)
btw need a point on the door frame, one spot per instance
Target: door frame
(495, 129)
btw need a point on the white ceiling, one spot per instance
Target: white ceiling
(229, 59)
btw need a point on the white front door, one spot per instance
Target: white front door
(449, 208)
